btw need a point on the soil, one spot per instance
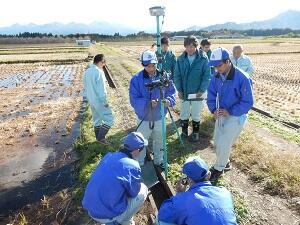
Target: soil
(40, 111)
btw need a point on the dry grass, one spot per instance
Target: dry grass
(278, 171)
(20, 219)
(43, 57)
(276, 84)
(42, 53)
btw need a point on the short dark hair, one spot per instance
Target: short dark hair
(98, 58)
(191, 40)
(165, 40)
(204, 42)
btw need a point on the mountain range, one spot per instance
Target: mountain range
(289, 19)
(70, 28)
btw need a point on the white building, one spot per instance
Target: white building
(83, 42)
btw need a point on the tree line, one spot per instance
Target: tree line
(37, 38)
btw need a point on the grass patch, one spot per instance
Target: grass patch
(131, 67)
(207, 122)
(278, 171)
(105, 49)
(274, 127)
(91, 152)
(39, 52)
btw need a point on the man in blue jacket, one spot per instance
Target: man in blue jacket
(229, 98)
(96, 94)
(201, 204)
(191, 78)
(169, 59)
(146, 104)
(115, 191)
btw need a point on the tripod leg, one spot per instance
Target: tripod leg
(175, 127)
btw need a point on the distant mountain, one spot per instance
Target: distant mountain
(193, 28)
(289, 19)
(70, 28)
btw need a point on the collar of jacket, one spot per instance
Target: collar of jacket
(146, 74)
(241, 57)
(96, 67)
(126, 152)
(197, 54)
(230, 75)
(169, 52)
(200, 184)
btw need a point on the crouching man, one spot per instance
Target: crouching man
(201, 204)
(115, 192)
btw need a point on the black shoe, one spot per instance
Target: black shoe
(215, 174)
(101, 132)
(196, 126)
(184, 128)
(228, 167)
(195, 137)
(96, 130)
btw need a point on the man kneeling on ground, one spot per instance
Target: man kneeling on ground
(115, 192)
(201, 204)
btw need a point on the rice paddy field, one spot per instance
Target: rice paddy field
(42, 118)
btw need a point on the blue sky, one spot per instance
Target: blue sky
(134, 13)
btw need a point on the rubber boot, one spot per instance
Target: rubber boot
(100, 133)
(96, 130)
(184, 128)
(195, 136)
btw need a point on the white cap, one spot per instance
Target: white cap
(217, 56)
(148, 57)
